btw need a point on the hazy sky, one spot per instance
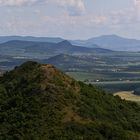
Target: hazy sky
(72, 19)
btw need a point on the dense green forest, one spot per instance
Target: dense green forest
(39, 102)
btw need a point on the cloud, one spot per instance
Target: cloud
(17, 2)
(74, 7)
(137, 6)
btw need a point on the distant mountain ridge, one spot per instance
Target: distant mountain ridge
(65, 47)
(111, 42)
(30, 38)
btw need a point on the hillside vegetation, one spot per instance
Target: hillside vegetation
(39, 102)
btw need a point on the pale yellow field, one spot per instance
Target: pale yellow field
(128, 95)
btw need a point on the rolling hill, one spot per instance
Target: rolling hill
(4, 39)
(112, 42)
(40, 102)
(30, 47)
(75, 63)
(65, 62)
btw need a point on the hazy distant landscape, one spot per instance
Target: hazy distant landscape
(99, 60)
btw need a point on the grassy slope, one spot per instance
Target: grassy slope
(40, 102)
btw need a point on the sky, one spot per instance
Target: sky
(70, 19)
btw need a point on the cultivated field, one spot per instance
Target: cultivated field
(128, 95)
